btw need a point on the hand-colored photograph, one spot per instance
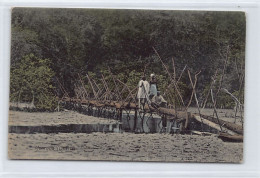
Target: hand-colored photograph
(127, 85)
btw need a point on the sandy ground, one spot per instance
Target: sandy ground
(124, 147)
(114, 146)
(19, 118)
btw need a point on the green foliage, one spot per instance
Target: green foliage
(225, 101)
(31, 82)
(87, 41)
(239, 95)
(133, 78)
(24, 41)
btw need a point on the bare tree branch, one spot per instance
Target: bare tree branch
(175, 86)
(215, 110)
(211, 85)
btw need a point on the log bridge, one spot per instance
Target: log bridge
(170, 119)
(110, 103)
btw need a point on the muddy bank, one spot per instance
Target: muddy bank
(124, 147)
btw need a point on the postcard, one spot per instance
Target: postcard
(127, 85)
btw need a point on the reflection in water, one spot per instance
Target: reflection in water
(69, 128)
(142, 124)
(126, 121)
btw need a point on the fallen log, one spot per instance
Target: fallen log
(172, 112)
(201, 133)
(231, 138)
(213, 125)
(231, 126)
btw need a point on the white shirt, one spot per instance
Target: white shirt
(143, 89)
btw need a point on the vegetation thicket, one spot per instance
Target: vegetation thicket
(53, 47)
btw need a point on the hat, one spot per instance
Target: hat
(152, 75)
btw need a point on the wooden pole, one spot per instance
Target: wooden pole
(116, 87)
(171, 79)
(95, 94)
(215, 110)
(194, 92)
(211, 85)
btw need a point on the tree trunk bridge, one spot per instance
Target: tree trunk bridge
(170, 120)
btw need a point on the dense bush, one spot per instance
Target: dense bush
(31, 81)
(87, 41)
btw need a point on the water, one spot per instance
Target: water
(143, 123)
(69, 128)
(131, 121)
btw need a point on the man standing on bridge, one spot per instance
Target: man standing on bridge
(153, 87)
(142, 95)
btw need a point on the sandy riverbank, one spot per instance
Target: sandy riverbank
(112, 146)
(124, 147)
